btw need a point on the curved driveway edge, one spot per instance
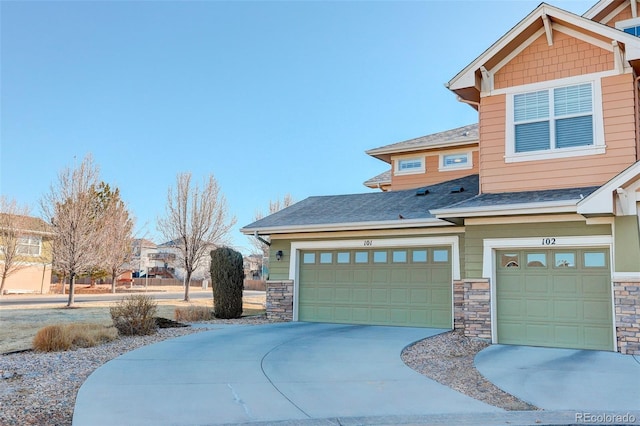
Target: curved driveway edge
(274, 372)
(565, 379)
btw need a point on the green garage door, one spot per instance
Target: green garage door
(556, 298)
(404, 287)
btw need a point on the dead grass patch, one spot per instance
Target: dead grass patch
(63, 337)
(193, 313)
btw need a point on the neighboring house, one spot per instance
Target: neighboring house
(169, 255)
(33, 271)
(253, 266)
(523, 229)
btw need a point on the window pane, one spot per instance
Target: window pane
(325, 258)
(309, 258)
(595, 260)
(379, 256)
(532, 136)
(399, 256)
(343, 257)
(536, 260)
(362, 257)
(531, 106)
(455, 160)
(410, 164)
(565, 260)
(510, 260)
(576, 131)
(419, 255)
(441, 255)
(572, 100)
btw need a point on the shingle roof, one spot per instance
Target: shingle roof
(461, 135)
(524, 197)
(383, 178)
(370, 207)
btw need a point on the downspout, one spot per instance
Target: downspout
(255, 234)
(477, 105)
(637, 120)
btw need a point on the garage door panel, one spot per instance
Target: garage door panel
(568, 307)
(396, 289)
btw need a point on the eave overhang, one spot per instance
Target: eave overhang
(551, 207)
(602, 202)
(475, 78)
(350, 226)
(386, 153)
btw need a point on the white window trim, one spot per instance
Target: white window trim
(628, 23)
(489, 259)
(468, 165)
(417, 170)
(295, 260)
(39, 245)
(598, 146)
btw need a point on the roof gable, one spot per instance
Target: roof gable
(544, 20)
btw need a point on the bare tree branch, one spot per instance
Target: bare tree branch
(196, 221)
(14, 227)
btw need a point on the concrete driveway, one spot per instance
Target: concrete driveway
(288, 371)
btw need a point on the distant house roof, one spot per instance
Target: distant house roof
(464, 135)
(144, 243)
(26, 224)
(374, 210)
(382, 179)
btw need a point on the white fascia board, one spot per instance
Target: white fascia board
(350, 226)
(601, 201)
(508, 210)
(596, 8)
(632, 43)
(393, 150)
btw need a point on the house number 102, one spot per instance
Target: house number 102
(548, 241)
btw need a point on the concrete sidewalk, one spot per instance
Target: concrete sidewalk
(288, 371)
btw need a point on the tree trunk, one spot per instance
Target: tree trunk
(113, 282)
(187, 284)
(4, 277)
(72, 286)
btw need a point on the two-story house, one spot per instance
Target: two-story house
(28, 242)
(522, 229)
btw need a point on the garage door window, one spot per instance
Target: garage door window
(440, 256)
(343, 257)
(379, 257)
(510, 260)
(419, 256)
(565, 260)
(362, 257)
(536, 260)
(595, 260)
(309, 258)
(326, 258)
(399, 256)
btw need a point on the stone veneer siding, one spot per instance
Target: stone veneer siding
(472, 307)
(280, 300)
(627, 303)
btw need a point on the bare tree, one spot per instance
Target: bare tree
(116, 240)
(13, 228)
(70, 207)
(196, 220)
(261, 246)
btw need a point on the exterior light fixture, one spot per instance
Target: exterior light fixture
(279, 255)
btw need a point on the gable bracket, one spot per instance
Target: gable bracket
(618, 57)
(547, 29)
(487, 80)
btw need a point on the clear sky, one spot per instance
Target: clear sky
(272, 97)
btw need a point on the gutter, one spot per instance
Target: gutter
(567, 206)
(348, 226)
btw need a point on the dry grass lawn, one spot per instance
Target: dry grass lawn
(19, 324)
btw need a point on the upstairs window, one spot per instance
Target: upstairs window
(455, 161)
(554, 122)
(633, 31)
(409, 165)
(29, 246)
(630, 26)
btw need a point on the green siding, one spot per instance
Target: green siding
(475, 235)
(627, 244)
(279, 270)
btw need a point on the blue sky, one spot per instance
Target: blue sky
(272, 97)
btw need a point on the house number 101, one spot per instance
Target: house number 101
(368, 243)
(548, 241)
